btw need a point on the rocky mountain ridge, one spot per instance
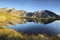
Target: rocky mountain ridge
(40, 14)
(44, 16)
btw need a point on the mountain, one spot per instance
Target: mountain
(11, 16)
(46, 14)
(38, 14)
(18, 13)
(14, 12)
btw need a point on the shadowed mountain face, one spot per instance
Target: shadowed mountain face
(45, 16)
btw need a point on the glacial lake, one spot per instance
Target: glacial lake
(38, 28)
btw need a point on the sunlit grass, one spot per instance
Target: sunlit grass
(6, 18)
(9, 34)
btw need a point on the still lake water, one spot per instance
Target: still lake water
(34, 28)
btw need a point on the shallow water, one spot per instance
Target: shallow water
(35, 28)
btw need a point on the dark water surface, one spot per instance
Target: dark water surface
(34, 28)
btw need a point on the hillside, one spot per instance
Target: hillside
(14, 16)
(11, 16)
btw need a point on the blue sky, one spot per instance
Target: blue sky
(32, 5)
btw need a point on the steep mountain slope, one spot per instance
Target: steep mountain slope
(46, 14)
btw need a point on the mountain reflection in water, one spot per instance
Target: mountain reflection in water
(43, 21)
(36, 27)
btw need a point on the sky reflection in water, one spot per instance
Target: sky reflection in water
(34, 28)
